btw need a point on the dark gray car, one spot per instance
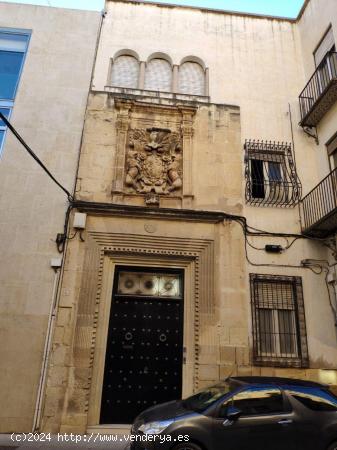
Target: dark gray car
(243, 413)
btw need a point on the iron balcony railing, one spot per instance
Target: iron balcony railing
(319, 207)
(317, 86)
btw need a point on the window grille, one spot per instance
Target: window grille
(270, 172)
(158, 75)
(191, 79)
(125, 72)
(279, 330)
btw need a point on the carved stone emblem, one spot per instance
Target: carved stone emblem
(154, 161)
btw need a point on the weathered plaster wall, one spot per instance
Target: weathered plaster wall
(314, 23)
(254, 62)
(215, 150)
(317, 17)
(48, 112)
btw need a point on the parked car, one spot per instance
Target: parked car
(243, 413)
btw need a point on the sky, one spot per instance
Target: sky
(284, 8)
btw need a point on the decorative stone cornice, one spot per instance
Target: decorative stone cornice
(109, 209)
(123, 102)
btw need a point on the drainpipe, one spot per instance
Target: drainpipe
(56, 265)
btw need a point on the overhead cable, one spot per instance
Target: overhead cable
(34, 156)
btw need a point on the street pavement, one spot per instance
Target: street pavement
(71, 442)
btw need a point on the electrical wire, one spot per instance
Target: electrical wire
(330, 299)
(34, 156)
(63, 237)
(311, 267)
(242, 221)
(248, 230)
(73, 236)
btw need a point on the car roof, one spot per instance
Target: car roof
(274, 380)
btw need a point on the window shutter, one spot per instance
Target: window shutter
(324, 47)
(158, 75)
(332, 145)
(191, 79)
(125, 71)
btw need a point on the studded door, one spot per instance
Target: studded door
(144, 356)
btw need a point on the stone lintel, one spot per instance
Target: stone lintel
(109, 209)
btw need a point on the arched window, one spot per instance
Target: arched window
(158, 75)
(191, 79)
(125, 72)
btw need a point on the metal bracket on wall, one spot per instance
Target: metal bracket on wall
(311, 132)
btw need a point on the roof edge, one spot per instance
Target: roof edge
(33, 5)
(304, 7)
(211, 10)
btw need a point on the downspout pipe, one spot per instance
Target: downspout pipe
(58, 272)
(46, 352)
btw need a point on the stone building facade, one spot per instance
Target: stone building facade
(191, 174)
(188, 257)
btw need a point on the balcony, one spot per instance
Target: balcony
(320, 93)
(319, 208)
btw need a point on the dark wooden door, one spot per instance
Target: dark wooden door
(143, 365)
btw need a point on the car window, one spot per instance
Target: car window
(315, 399)
(206, 397)
(256, 401)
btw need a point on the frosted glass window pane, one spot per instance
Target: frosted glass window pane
(158, 75)
(267, 332)
(287, 332)
(191, 79)
(149, 284)
(125, 72)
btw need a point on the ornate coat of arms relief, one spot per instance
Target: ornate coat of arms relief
(154, 161)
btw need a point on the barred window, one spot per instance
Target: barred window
(125, 72)
(279, 331)
(158, 75)
(271, 178)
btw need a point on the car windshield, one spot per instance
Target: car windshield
(205, 398)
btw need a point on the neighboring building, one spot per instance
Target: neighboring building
(46, 60)
(186, 259)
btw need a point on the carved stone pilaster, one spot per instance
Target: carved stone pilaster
(122, 126)
(187, 137)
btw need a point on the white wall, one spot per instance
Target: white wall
(48, 112)
(318, 16)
